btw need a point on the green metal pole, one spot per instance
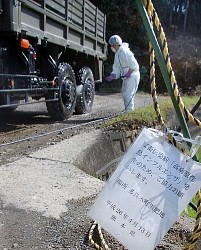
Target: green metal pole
(162, 65)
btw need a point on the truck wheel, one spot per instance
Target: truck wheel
(85, 91)
(64, 107)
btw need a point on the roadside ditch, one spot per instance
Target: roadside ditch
(102, 158)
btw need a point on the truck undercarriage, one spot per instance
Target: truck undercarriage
(50, 51)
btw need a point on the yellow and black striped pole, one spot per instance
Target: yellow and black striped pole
(149, 15)
(162, 65)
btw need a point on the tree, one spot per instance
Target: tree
(184, 14)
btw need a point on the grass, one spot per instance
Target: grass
(146, 116)
(189, 210)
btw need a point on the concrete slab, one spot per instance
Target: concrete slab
(45, 180)
(69, 150)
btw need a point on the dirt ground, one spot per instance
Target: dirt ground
(32, 123)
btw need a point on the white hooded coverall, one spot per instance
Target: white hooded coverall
(124, 59)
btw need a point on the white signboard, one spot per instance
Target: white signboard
(151, 187)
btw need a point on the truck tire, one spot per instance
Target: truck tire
(85, 91)
(64, 107)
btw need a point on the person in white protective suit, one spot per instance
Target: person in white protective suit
(126, 67)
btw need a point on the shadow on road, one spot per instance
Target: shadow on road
(10, 121)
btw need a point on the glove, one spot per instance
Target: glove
(111, 77)
(129, 73)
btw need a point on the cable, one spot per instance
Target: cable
(61, 130)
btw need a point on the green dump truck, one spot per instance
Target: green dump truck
(51, 51)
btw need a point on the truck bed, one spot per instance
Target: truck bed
(75, 24)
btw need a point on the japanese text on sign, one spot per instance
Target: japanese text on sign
(148, 191)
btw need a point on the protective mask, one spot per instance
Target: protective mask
(113, 49)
